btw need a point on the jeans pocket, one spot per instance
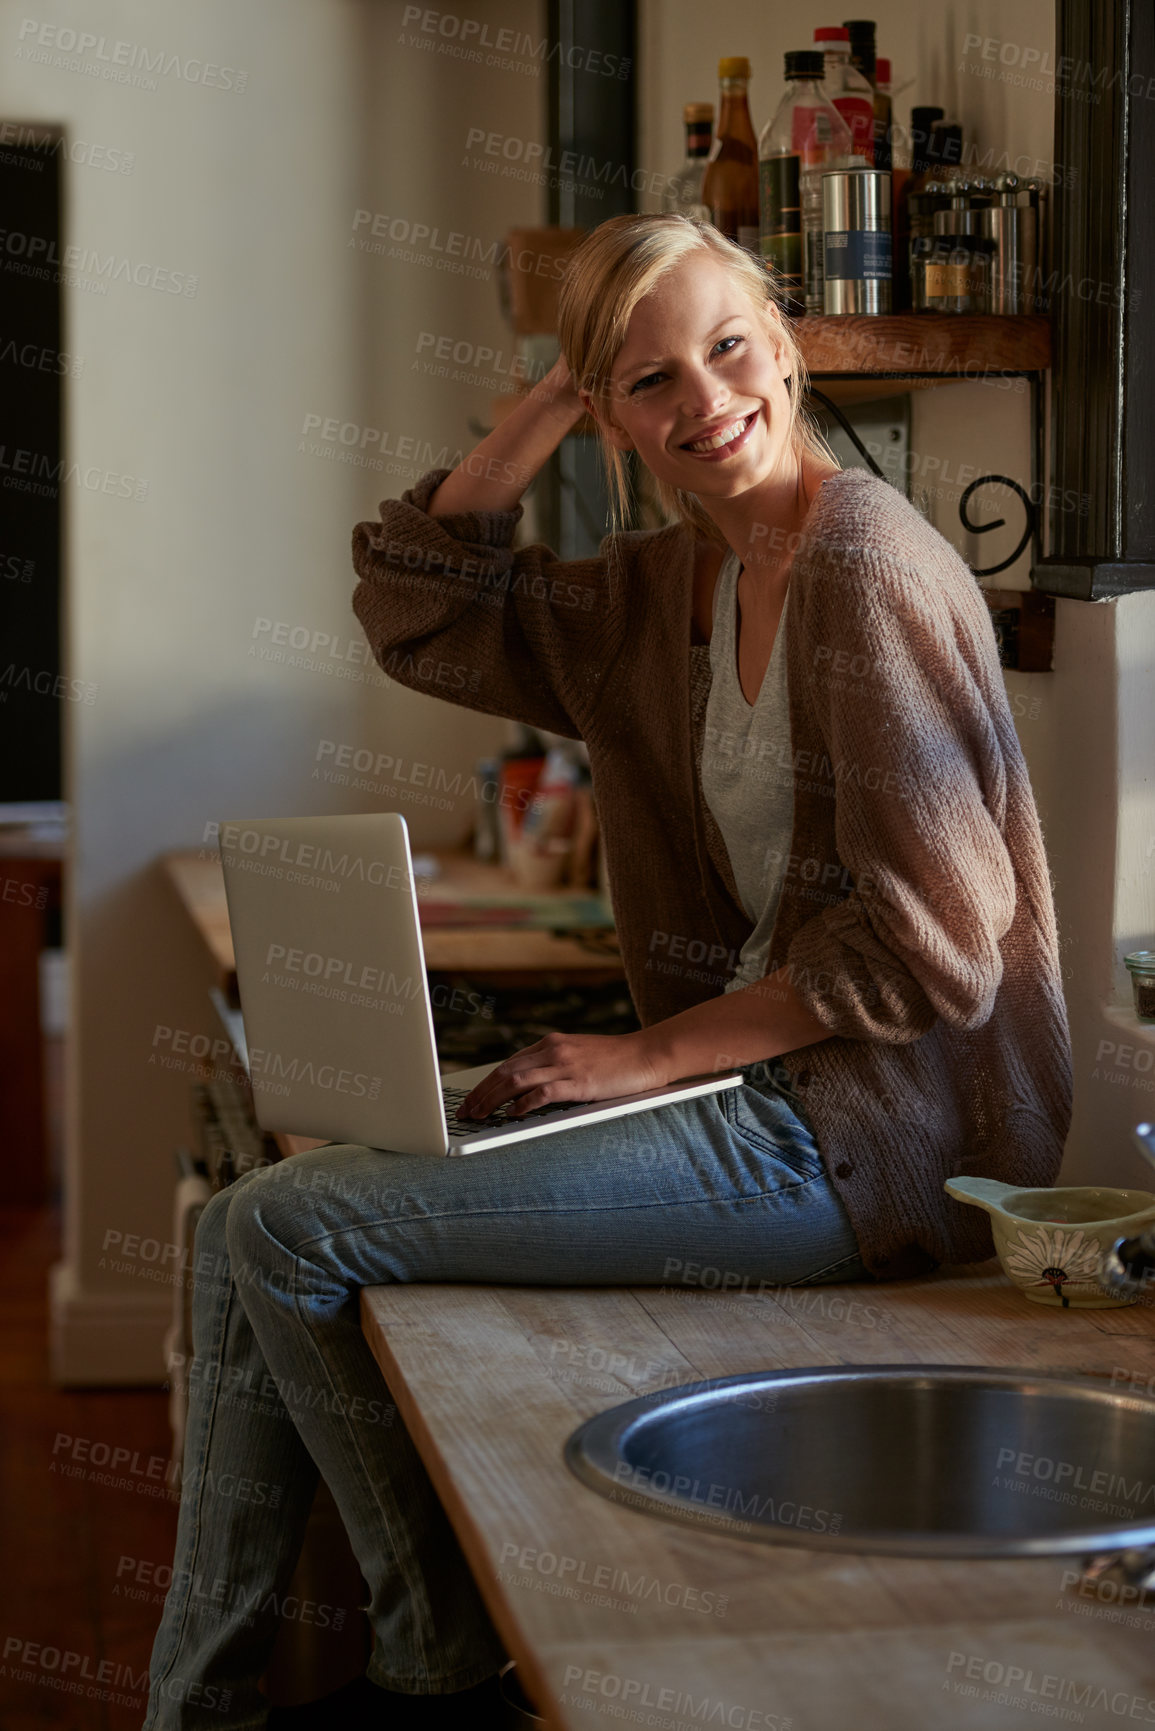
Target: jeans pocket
(766, 1117)
(770, 1075)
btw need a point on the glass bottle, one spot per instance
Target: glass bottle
(730, 184)
(850, 92)
(948, 143)
(860, 34)
(922, 141)
(883, 114)
(683, 194)
(876, 70)
(805, 131)
(833, 151)
(908, 185)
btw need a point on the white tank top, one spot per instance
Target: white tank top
(747, 777)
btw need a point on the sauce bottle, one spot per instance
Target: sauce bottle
(730, 184)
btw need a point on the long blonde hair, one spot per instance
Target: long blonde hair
(609, 272)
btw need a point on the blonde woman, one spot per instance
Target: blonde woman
(827, 870)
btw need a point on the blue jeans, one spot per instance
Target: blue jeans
(727, 1189)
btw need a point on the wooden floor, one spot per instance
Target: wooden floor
(77, 1599)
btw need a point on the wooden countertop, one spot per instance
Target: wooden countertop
(516, 956)
(590, 1595)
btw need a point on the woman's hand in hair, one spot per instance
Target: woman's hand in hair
(568, 1067)
(558, 390)
(497, 472)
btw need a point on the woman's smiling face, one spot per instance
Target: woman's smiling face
(701, 363)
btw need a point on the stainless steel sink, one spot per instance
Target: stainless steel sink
(933, 1460)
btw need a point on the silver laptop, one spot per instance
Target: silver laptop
(336, 1022)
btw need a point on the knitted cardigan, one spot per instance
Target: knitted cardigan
(916, 920)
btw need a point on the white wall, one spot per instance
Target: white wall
(206, 395)
(1088, 728)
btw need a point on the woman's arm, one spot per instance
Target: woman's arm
(725, 1033)
(451, 608)
(903, 679)
(761, 1020)
(497, 471)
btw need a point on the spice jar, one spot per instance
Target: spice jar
(950, 273)
(1141, 967)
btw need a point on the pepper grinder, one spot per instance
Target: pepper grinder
(1011, 221)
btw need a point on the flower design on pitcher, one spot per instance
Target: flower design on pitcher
(1055, 1259)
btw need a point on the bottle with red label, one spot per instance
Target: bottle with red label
(730, 184)
(850, 92)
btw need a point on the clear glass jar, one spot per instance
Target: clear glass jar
(1141, 967)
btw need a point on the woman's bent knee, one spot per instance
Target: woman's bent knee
(210, 1251)
(270, 1219)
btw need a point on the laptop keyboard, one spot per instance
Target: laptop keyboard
(453, 1098)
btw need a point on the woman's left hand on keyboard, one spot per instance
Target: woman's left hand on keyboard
(567, 1067)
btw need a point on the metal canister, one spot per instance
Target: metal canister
(1011, 222)
(856, 242)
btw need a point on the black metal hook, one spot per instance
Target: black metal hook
(833, 409)
(998, 522)
(983, 481)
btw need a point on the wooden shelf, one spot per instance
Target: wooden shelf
(936, 348)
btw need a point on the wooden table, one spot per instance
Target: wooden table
(505, 955)
(491, 1381)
